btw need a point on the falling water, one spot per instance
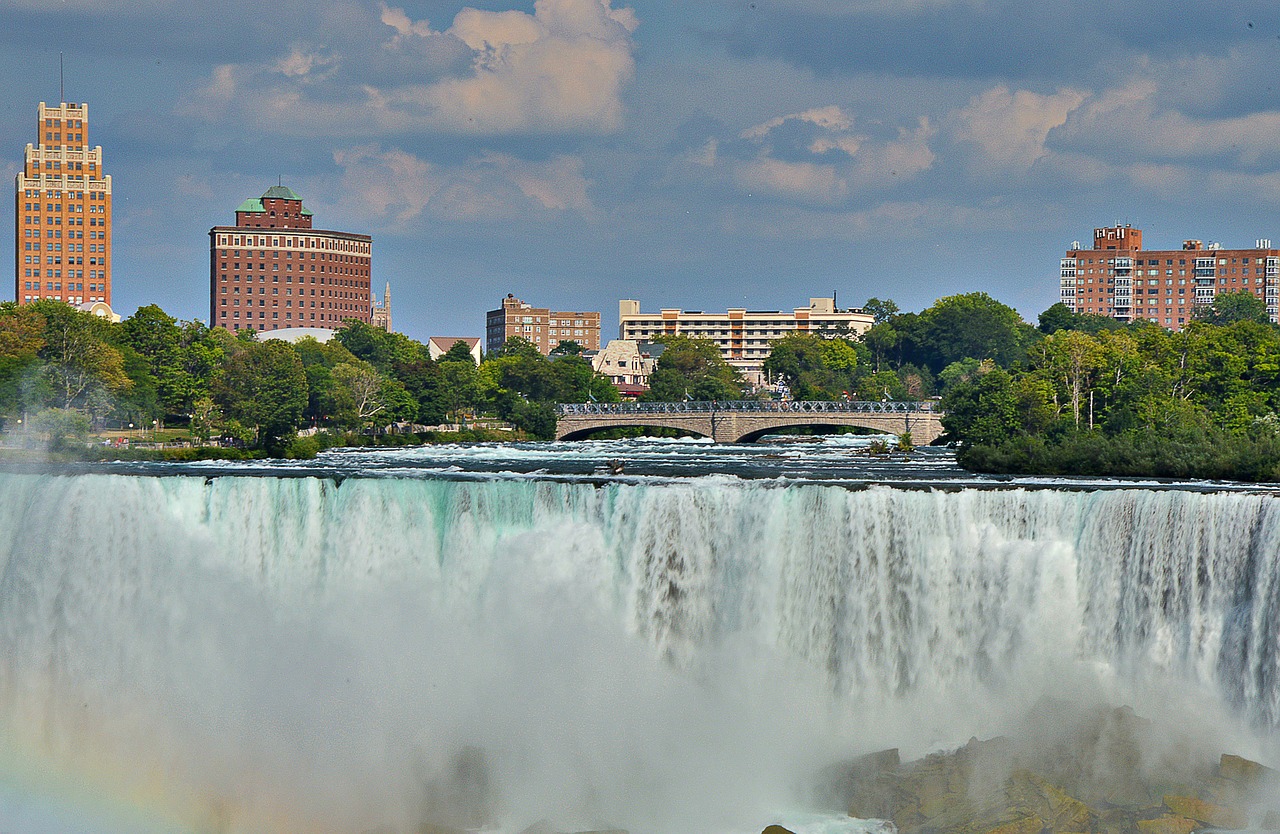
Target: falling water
(291, 654)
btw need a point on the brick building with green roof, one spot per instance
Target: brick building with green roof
(272, 270)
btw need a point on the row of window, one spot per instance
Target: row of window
(57, 285)
(56, 194)
(262, 302)
(56, 165)
(275, 314)
(94, 274)
(292, 242)
(1167, 261)
(289, 291)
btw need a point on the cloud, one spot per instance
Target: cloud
(560, 70)
(830, 117)
(1130, 121)
(400, 187)
(306, 65)
(805, 181)
(817, 157)
(1011, 127)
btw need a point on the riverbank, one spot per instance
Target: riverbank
(302, 447)
(1145, 453)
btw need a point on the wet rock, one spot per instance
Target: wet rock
(1214, 816)
(1167, 825)
(1248, 774)
(776, 829)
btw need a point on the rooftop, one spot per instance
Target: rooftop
(275, 192)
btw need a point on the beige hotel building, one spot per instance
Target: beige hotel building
(62, 217)
(743, 336)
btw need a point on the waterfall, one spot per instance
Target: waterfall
(294, 654)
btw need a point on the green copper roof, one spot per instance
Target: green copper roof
(281, 192)
(275, 192)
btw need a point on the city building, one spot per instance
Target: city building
(627, 363)
(743, 336)
(62, 217)
(380, 314)
(438, 346)
(1116, 277)
(272, 270)
(543, 327)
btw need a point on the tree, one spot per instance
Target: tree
(21, 339)
(970, 325)
(76, 355)
(376, 346)
(1060, 317)
(881, 311)
(264, 386)
(814, 368)
(1231, 307)
(692, 368)
(358, 393)
(567, 347)
(458, 352)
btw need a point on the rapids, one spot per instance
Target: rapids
(256, 653)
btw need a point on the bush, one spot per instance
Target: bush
(61, 428)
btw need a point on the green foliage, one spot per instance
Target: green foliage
(1134, 401)
(692, 369)
(1231, 307)
(264, 386)
(814, 368)
(1060, 317)
(376, 346)
(60, 428)
(567, 347)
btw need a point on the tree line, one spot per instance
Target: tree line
(1079, 394)
(64, 372)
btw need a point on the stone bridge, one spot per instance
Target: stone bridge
(747, 420)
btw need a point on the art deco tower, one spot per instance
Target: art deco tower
(63, 213)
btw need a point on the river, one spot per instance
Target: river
(501, 635)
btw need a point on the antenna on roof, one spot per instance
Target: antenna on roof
(280, 181)
(62, 87)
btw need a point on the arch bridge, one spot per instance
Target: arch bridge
(745, 421)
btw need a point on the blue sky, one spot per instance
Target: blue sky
(698, 154)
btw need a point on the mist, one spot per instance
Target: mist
(256, 654)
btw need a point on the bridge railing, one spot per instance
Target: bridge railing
(750, 406)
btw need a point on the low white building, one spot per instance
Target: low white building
(745, 337)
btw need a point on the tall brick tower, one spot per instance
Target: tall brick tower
(62, 217)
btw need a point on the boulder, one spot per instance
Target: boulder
(1167, 825)
(1248, 774)
(776, 829)
(1214, 816)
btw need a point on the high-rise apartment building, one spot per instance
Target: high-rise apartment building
(544, 327)
(745, 337)
(62, 217)
(1120, 279)
(272, 270)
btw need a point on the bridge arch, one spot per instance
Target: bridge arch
(588, 432)
(754, 436)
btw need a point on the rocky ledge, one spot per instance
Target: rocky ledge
(1107, 774)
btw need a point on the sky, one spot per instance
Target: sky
(700, 154)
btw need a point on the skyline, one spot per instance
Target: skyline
(704, 156)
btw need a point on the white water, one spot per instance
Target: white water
(251, 654)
